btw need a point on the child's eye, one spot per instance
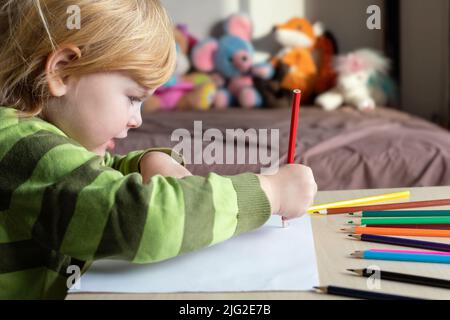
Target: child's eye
(134, 100)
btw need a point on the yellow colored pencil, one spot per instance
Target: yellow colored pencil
(360, 201)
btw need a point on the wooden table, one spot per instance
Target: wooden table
(333, 248)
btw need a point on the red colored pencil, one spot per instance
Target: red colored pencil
(293, 129)
(294, 125)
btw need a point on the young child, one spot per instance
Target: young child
(65, 201)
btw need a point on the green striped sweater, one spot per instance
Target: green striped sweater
(62, 205)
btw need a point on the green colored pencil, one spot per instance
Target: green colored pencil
(402, 213)
(408, 220)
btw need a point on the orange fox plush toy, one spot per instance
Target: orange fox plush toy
(294, 64)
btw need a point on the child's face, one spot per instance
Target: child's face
(97, 108)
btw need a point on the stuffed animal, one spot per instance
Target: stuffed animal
(326, 49)
(230, 61)
(362, 82)
(294, 64)
(182, 90)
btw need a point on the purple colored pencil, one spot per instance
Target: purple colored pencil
(437, 246)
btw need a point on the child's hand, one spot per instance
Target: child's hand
(290, 191)
(156, 162)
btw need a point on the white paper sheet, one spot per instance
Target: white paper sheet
(268, 259)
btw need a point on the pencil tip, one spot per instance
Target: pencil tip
(319, 289)
(351, 270)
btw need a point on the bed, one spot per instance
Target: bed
(346, 148)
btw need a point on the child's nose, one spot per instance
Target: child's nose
(136, 120)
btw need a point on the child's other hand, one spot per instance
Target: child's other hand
(290, 191)
(155, 162)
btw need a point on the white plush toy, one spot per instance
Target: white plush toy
(358, 81)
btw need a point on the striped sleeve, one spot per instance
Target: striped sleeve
(72, 203)
(129, 163)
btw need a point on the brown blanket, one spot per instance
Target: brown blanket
(346, 149)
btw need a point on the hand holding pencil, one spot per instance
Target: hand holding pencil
(290, 190)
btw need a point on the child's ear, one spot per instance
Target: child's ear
(203, 55)
(239, 25)
(55, 62)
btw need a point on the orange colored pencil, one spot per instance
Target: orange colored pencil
(400, 231)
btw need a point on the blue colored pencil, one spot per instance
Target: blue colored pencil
(412, 257)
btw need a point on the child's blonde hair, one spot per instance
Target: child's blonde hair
(134, 36)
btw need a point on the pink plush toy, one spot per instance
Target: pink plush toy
(183, 90)
(230, 60)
